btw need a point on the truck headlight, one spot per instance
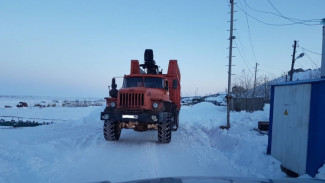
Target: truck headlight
(155, 105)
(105, 116)
(113, 104)
(154, 118)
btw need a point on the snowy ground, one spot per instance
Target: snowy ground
(75, 150)
(12, 101)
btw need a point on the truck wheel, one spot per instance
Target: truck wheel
(111, 130)
(176, 121)
(164, 130)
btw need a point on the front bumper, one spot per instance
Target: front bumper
(138, 116)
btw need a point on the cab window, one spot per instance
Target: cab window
(133, 82)
(153, 83)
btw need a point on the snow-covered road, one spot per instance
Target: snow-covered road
(76, 151)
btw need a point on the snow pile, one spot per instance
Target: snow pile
(321, 172)
(242, 149)
(220, 99)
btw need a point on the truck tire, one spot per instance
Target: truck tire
(165, 130)
(111, 130)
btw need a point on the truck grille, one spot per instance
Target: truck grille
(131, 99)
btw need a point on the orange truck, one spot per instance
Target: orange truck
(148, 100)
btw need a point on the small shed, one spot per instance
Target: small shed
(297, 125)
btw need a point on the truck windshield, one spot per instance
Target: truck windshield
(143, 82)
(133, 82)
(153, 83)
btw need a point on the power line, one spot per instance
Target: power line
(262, 21)
(275, 8)
(240, 46)
(240, 43)
(291, 19)
(273, 24)
(310, 51)
(249, 34)
(242, 53)
(281, 16)
(243, 58)
(303, 50)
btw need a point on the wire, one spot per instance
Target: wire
(275, 8)
(243, 57)
(291, 19)
(310, 51)
(262, 21)
(241, 44)
(273, 24)
(249, 33)
(303, 50)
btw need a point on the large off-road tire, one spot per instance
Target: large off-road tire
(176, 121)
(165, 130)
(111, 131)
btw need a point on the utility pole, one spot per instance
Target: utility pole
(255, 80)
(323, 52)
(265, 88)
(230, 62)
(293, 59)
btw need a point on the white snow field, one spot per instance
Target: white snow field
(76, 151)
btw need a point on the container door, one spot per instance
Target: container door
(290, 126)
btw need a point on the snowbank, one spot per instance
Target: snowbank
(321, 172)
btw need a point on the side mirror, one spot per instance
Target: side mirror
(113, 92)
(166, 85)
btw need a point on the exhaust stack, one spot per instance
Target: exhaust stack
(149, 62)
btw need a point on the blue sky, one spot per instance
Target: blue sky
(74, 48)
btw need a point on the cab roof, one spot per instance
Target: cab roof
(146, 76)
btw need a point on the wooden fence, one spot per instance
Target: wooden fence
(247, 104)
